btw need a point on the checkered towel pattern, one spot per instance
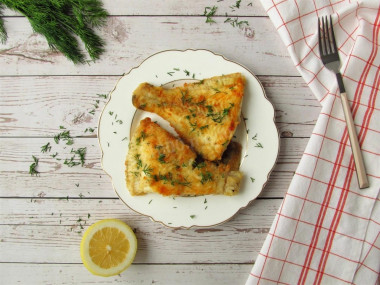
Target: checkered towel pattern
(327, 230)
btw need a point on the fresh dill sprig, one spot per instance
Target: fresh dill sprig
(70, 162)
(209, 12)
(32, 167)
(207, 176)
(147, 170)
(81, 152)
(3, 32)
(236, 23)
(65, 136)
(46, 147)
(62, 23)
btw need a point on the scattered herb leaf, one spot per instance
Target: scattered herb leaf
(209, 12)
(46, 147)
(32, 167)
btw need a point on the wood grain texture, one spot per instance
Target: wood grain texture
(200, 274)
(49, 102)
(130, 40)
(42, 218)
(58, 180)
(34, 226)
(176, 7)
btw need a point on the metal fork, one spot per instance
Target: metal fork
(330, 58)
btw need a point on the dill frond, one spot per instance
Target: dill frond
(62, 22)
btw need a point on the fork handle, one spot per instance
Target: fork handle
(358, 158)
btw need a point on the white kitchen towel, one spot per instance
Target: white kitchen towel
(327, 230)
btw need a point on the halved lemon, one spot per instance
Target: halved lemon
(108, 247)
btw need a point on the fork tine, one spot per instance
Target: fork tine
(325, 34)
(320, 39)
(329, 32)
(333, 36)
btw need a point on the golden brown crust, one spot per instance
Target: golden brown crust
(158, 162)
(204, 114)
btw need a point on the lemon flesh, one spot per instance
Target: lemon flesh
(108, 247)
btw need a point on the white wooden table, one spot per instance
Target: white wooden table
(43, 218)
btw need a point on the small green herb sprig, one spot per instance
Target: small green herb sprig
(32, 167)
(3, 32)
(62, 22)
(77, 155)
(209, 13)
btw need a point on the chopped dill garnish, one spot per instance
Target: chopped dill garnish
(184, 98)
(201, 103)
(64, 136)
(46, 147)
(201, 165)
(147, 170)
(207, 176)
(32, 167)
(71, 162)
(259, 145)
(219, 116)
(141, 137)
(161, 158)
(103, 95)
(138, 160)
(81, 152)
(236, 23)
(91, 130)
(209, 12)
(216, 90)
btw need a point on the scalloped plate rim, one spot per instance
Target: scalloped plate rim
(112, 179)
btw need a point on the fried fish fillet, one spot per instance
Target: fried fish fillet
(158, 162)
(204, 114)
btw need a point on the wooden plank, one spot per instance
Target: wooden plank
(130, 40)
(49, 231)
(176, 8)
(136, 274)
(59, 180)
(49, 102)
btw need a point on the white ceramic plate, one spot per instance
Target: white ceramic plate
(257, 134)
